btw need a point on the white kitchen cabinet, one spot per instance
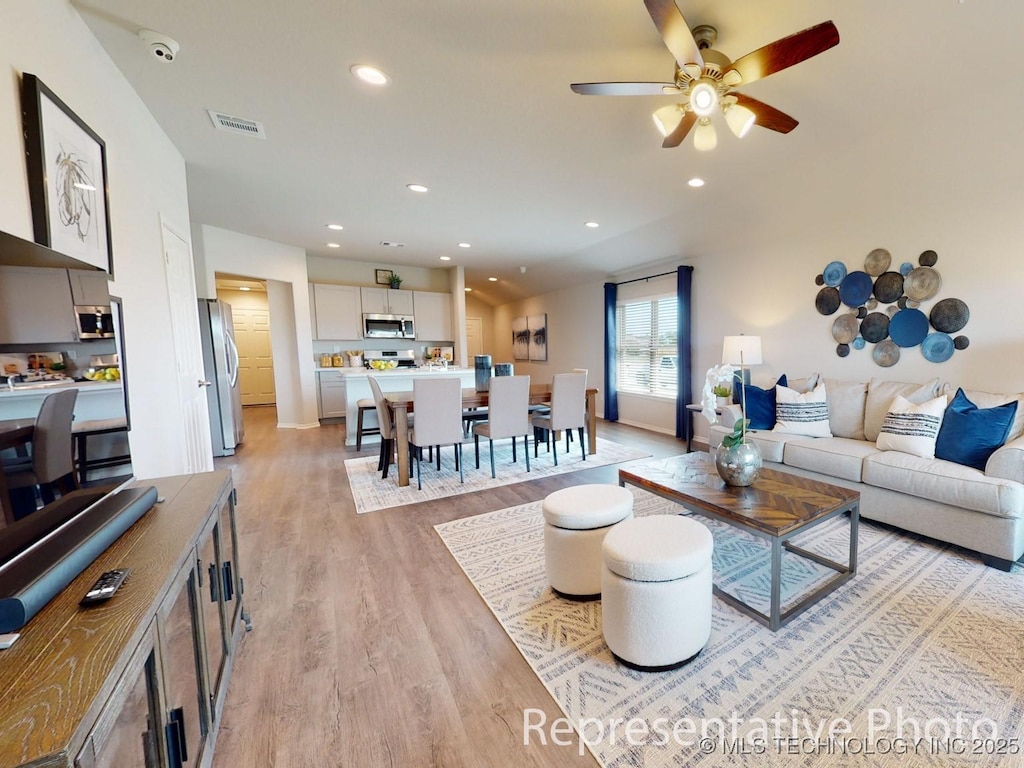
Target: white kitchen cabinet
(338, 312)
(89, 288)
(35, 306)
(433, 316)
(332, 394)
(386, 301)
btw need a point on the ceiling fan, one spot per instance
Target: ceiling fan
(705, 78)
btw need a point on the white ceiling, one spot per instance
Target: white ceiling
(479, 109)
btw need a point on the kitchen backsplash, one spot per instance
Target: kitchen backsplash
(75, 356)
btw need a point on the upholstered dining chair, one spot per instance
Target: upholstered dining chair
(508, 415)
(387, 428)
(52, 461)
(438, 403)
(568, 408)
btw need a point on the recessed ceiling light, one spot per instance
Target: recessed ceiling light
(468, 290)
(335, 227)
(591, 224)
(696, 182)
(333, 245)
(244, 288)
(391, 244)
(493, 279)
(446, 258)
(417, 188)
(465, 245)
(369, 74)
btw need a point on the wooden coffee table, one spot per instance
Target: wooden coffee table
(776, 507)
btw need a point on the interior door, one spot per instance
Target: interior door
(255, 358)
(474, 336)
(181, 290)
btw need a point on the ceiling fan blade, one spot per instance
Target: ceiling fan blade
(624, 89)
(786, 52)
(766, 116)
(675, 31)
(675, 138)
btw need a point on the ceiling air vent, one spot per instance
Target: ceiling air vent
(231, 124)
(389, 244)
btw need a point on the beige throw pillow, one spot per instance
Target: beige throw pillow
(801, 414)
(846, 407)
(912, 428)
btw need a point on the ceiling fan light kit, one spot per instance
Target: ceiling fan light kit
(705, 78)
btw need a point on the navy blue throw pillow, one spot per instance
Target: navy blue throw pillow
(969, 434)
(760, 403)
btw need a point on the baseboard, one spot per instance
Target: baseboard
(648, 427)
(286, 425)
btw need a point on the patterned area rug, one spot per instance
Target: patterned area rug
(371, 493)
(916, 661)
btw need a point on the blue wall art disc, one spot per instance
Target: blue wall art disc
(937, 347)
(855, 289)
(908, 327)
(834, 273)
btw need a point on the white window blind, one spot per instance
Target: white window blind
(647, 353)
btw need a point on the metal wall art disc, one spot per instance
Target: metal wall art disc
(937, 347)
(961, 342)
(949, 315)
(891, 311)
(875, 327)
(888, 287)
(885, 353)
(819, 280)
(922, 283)
(908, 327)
(827, 301)
(844, 329)
(834, 273)
(842, 350)
(855, 289)
(906, 268)
(858, 343)
(928, 258)
(877, 262)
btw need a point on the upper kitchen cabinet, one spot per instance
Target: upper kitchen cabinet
(386, 301)
(337, 312)
(89, 288)
(433, 316)
(36, 306)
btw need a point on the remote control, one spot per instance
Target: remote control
(105, 586)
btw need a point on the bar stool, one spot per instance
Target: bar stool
(365, 404)
(81, 431)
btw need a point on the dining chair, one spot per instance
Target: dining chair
(568, 409)
(438, 403)
(387, 428)
(584, 371)
(52, 461)
(508, 416)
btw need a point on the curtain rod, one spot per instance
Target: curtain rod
(649, 277)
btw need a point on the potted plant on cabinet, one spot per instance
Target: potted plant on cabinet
(395, 281)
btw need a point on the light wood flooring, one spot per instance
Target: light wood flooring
(371, 647)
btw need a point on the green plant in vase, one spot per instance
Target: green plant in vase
(395, 281)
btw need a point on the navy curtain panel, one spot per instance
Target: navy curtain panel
(611, 391)
(684, 284)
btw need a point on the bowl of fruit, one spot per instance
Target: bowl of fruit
(103, 374)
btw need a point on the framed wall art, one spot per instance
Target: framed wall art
(538, 326)
(520, 339)
(383, 277)
(67, 178)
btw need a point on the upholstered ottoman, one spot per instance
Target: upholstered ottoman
(576, 520)
(656, 591)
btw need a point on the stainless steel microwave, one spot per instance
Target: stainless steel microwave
(388, 327)
(94, 322)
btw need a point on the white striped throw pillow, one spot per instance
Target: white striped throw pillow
(912, 428)
(801, 413)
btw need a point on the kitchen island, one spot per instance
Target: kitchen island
(357, 387)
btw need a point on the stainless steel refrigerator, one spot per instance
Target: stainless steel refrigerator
(220, 361)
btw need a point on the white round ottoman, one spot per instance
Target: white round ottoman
(656, 591)
(576, 520)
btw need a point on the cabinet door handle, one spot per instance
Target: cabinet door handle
(214, 586)
(229, 590)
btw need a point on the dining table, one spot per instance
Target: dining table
(13, 433)
(400, 402)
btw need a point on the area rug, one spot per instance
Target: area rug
(371, 493)
(916, 661)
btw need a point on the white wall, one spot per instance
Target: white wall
(291, 338)
(48, 39)
(344, 272)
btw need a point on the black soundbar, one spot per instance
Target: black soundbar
(41, 571)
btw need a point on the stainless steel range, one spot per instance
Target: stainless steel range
(406, 358)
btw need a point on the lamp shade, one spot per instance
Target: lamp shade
(742, 350)
(667, 118)
(704, 138)
(740, 120)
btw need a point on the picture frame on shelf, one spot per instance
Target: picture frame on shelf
(383, 276)
(67, 178)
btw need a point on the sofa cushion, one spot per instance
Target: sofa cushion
(945, 482)
(880, 397)
(760, 403)
(801, 414)
(834, 456)
(992, 400)
(846, 407)
(912, 428)
(804, 385)
(969, 434)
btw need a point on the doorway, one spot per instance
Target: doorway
(474, 337)
(250, 311)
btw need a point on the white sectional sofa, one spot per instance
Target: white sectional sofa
(980, 510)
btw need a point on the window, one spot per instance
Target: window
(648, 361)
